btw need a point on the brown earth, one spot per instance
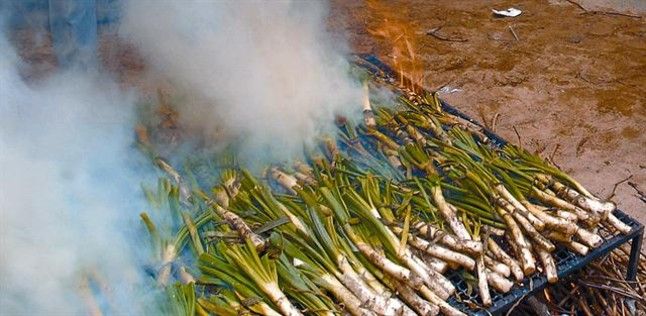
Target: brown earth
(573, 83)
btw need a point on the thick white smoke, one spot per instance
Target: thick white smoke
(69, 195)
(265, 74)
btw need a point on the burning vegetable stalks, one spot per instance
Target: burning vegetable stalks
(371, 224)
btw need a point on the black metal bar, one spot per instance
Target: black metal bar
(635, 251)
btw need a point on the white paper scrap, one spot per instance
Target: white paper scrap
(449, 90)
(511, 12)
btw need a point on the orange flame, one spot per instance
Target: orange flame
(400, 35)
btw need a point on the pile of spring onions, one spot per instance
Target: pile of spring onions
(371, 223)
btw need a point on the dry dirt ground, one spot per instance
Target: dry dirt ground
(571, 80)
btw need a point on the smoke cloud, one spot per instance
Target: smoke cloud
(69, 195)
(264, 74)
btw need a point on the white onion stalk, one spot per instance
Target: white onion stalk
(392, 157)
(497, 267)
(304, 168)
(433, 279)
(332, 149)
(184, 192)
(536, 222)
(602, 208)
(568, 216)
(238, 224)
(483, 284)
(372, 281)
(350, 302)
(192, 231)
(436, 264)
(449, 213)
(416, 135)
(263, 274)
(277, 296)
(415, 277)
(369, 299)
(418, 304)
(436, 281)
(558, 236)
(494, 231)
(185, 277)
(527, 260)
(434, 234)
(618, 224)
(588, 238)
(440, 252)
(439, 132)
(445, 308)
(403, 135)
(549, 266)
(498, 282)
(386, 265)
(285, 180)
(369, 279)
(525, 224)
(551, 222)
(587, 218)
(304, 178)
(296, 221)
(568, 242)
(221, 196)
(168, 256)
(228, 190)
(577, 247)
(368, 114)
(501, 255)
(265, 309)
(377, 259)
(383, 139)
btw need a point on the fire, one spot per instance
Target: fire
(400, 35)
